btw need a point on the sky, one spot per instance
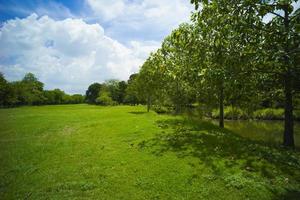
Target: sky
(69, 44)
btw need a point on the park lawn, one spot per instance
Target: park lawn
(122, 152)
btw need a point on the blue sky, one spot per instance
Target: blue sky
(70, 44)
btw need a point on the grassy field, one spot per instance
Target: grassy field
(92, 152)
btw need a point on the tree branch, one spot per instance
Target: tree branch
(274, 13)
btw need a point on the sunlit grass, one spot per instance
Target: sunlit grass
(92, 152)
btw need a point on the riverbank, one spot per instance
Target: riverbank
(232, 113)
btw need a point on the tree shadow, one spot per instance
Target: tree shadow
(212, 145)
(137, 113)
(289, 195)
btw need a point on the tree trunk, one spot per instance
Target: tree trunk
(221, 101)
(288, 136)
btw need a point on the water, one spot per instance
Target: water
(269, 131)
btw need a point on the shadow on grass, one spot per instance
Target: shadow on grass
(221, 149)
(137, 113)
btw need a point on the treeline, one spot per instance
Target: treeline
(112, 92)
(228, 56)
(30, 91)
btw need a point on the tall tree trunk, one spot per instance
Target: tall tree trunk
(148, 103)
(221, 107)
(288, 136)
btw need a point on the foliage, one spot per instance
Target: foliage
(105, 99)
(231, 113)
(7, 94)
(29, 91)
(116, 89)
(229, 56)
(269, 114)
(132, 90)
(92, 93)
(162, 109)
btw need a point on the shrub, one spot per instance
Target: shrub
(161, 109)
(105, 100)
(231, 113)
(269, 114)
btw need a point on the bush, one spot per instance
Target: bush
(262, 114)
(105, 100)
(161, 109)
(231, 113)
(269, 114)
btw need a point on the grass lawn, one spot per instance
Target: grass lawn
(93, 152)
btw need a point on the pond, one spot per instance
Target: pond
(269, 131)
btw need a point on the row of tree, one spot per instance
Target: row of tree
(30, 91)
(111, 92)
(228, 55)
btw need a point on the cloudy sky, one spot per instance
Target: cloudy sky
(69, 44)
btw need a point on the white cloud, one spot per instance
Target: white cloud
(148, 19)
(71, 54)
(107, 9)
(68, 54)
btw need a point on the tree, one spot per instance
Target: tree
(131, 93)
(177, 53)
(77, 98)
(93, 92)
(29, 91)
(112, 87)
(282, 35)
(122, 85)
(151, 81)
(7, 94)
(275, 46)
(104, 97)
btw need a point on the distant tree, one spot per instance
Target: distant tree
(92, 93)
(29, 91)
(30, 78)
(104, 97)
(58, 96)
(77, 98)
(3, 90)
(112, 87)
(122, 91)
(131, 93)
(7, 94)
(49, 97)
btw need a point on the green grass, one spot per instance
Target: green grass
(93, 152)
